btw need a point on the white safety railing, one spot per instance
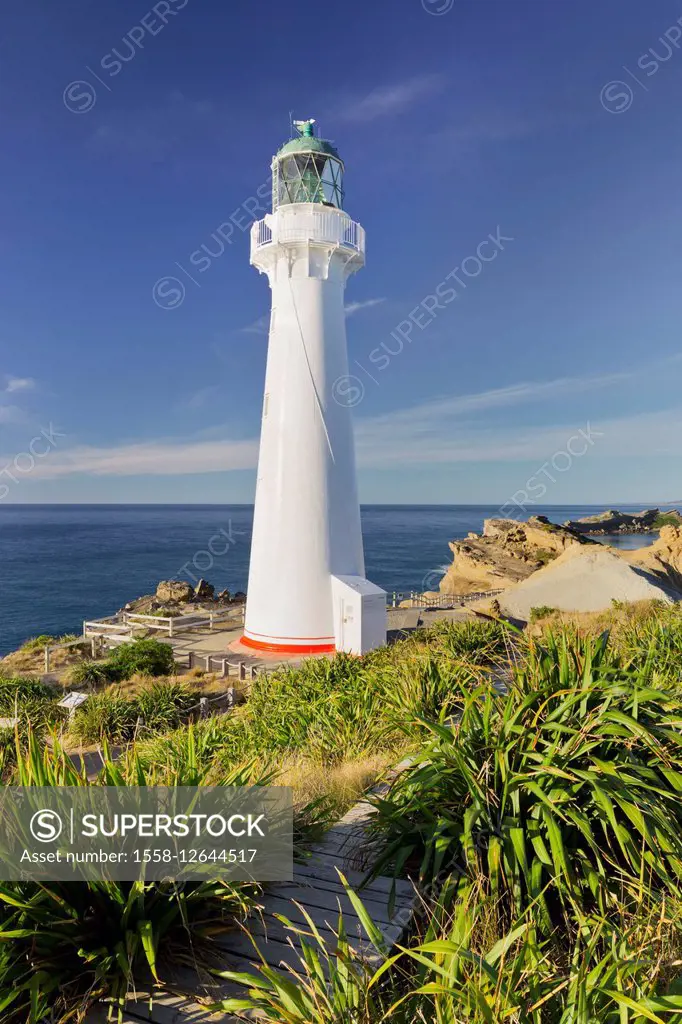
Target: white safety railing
(418, 600)
(308, 225)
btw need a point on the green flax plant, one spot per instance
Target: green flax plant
(65, 944)
(161, 705)
(458, 971)
(564, 792)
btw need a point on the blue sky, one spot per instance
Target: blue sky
(130, 136)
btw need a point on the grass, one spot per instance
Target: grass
(64, 944)
(543, 829)
(119, 717)
(565, 791)
(541, 824)
(665, 519)
(542, 611)
(30, 657)
(148, 657)
(457, 971)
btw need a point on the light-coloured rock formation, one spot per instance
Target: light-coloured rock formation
(585, 580)
(174, 590)
(664, 557)
(505, 553)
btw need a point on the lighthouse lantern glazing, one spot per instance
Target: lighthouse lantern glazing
(307, 591)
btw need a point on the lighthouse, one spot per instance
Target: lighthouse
(307, 591)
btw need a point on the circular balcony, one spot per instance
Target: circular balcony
(307, 223)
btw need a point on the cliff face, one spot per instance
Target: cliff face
(505, 553)
(613, 521)
(585, 580)
(664, 558)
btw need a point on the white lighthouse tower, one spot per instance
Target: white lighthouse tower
(307, 591)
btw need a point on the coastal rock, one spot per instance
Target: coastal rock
(613, 521)
(505, 553)
(664, 557)
(174, 591)
(204, 591)
(585, 580)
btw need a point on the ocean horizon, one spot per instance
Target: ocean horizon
(63, 563)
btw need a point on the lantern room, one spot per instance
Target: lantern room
(307, 169)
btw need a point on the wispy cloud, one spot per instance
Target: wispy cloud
(151, 458)
(200, 399)
(13, 384)
(259, 326)
(446, 429)
(389, 100)
(11, 414)
(355, 307)
(386, 444)
(439, 410)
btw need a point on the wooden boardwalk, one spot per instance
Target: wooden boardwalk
(315, 886)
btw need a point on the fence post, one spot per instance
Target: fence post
(203, 707)
(47, 659)
(190, 660)
(170, 628)
(242, 670)
(93, 647)
(210, 621)
(230, 698)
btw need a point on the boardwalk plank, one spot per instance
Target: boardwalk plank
(317, 887)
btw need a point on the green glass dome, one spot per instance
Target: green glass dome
(307, 169)
(308, 144)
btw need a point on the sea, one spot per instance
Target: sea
(61, 564)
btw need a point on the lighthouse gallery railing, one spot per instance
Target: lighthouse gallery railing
(308, 226)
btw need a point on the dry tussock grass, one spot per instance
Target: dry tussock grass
(594, 623)
(343, 784)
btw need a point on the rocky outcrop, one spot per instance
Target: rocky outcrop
(204, 591)
(506, 553)
(172, 591)
(612, 521)
(585, 580)
(664, 557)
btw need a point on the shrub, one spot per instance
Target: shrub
(144, 657)
(35, 642)
(70, 943)
(120, 717)
(89, 673)
(30, 701)
(564, 793)
(665, 519)
(458, 970)
(542, 611)
(147, 657)
(163, 705)
(477, 643)
(544, 556)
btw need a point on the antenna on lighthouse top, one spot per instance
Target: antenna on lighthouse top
(305, 128)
